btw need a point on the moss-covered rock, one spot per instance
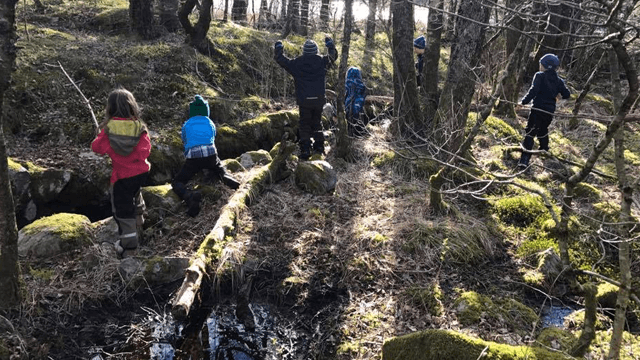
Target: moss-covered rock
(471, 307)
(54, 234)
(316, 177)
(161, 202)
(233, 165)
(607, 295)
(501, 130)
(262, 132)
(46, 184)
(557, 339)
(521, 210)
(405, 164)
(630, 348)
(254, 158)
(166, 157)
(443, 344)
(429, 297)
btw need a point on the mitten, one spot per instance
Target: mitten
(328, 41)
(278, 45)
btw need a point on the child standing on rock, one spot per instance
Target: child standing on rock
(124, 138)
(309, 72)
(545, 88)
(198, 136)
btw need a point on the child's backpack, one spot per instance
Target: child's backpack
(354, 94)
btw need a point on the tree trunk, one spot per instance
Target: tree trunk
(225, 16)
(510, 87)
(624, 250)
(304, 18)
(432, 60)
(573, 122)
(141, 14)
(450, 22)
(9, 269)
(406, 106)
(369, 39)
(343, 143)
(451, 117)
(556, 25)
(324, 13)
(293, 18)
(169, 15)
(239, 11)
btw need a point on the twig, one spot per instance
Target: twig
(86, 101)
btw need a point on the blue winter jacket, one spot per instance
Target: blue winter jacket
(198, 130)
(544, 89)
(355, 92)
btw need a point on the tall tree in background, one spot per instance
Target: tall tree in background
(557, 25)
(239, 11)
(343, 143)
(169, 14)
(369, 38)
(196, 33)
(458, 90)
(324, 14)
(432, 60)
(141, 14)
(292, 22)
(304, 18)
(9, 270)
(510, 87)
(406, 105)
(450, 20)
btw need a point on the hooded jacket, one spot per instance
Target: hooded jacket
(546, 85)
(309, 73)
(355, 92)
(128, 145)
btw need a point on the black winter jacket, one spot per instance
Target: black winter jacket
(544, 89)
(309, 73)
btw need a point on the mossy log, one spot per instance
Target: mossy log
(444, 344)
(221, 235)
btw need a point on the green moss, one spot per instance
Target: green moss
(429, 297)
(232, 165)
(350, 348)
(501, 129)
(557, 339)
(159, 190)
(42, 274)
(587, 191)
(521, 210)
(14, 166)
(34, 170)
(575, 320)
(444, 344)
(601, 101)
(607, 295)
(600, 346)
(607, 211)
(378, 239)
(471, 306)
(72, 229)
(405, 164)
(534, 246)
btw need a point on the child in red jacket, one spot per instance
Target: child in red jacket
(125, 139)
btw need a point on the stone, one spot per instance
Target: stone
(316, 177)
(53, 235)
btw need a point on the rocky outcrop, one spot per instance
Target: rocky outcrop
(53, 235)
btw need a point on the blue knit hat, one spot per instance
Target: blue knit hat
(199, 106)
(420, 42)
(310, 47)
(550, 61)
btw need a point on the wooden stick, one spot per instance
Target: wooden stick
(86, 101)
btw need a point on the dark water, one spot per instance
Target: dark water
(554, 316)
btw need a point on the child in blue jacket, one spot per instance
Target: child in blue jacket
(355, 93)
(198, 136)
(545, 88)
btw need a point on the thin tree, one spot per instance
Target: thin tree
(343, 146)
(141, 14)
(369, 38)
(9, 269)
(239, 11)
(431, 75)
(196, 33)
(304, 18)
(458, 90)
(406, 105)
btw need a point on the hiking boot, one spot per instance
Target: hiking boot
(305, 151)
(230, 181)
(192, 199)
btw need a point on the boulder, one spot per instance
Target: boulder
(154, 271)
(105, 231)
(53, 235)
(233, 166)
(254, 158)
(47, 184)
(316, 177)
(20, 179)
(161, 201)
(166, 160)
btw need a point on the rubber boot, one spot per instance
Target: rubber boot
(524, 160)
(127, 244)
(318, 143)
(192, 199)
(305, 150)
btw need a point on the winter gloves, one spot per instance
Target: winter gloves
(328, 42)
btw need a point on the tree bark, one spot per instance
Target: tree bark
(450, 22)
(369, 39)
(343, 143)
(141, 14)
(324, 14)
(431, 75)
(573, 122)
(304, 18)
(169, 15)
(458, 90)
(9, 268)
(510, 85)
(239, 11)
(406, 106)
(196, 34)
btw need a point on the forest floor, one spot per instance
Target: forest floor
(340, 272)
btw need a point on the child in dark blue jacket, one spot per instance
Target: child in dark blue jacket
(355, 93)
(544, 90)
(309, 73)
(198, 136)
(419, 46)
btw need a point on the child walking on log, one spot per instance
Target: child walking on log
(198, 136)
(124, 138)
(545, 88)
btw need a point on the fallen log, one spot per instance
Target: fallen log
(221, 235)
